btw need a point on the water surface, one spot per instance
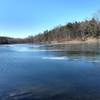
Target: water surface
(58, 72)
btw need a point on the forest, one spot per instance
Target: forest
(71, 31)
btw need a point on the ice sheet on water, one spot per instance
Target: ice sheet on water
(94, 61)
(55, 58)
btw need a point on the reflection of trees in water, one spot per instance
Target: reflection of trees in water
(77, 51)
(84, 48)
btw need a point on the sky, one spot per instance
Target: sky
(21, 18)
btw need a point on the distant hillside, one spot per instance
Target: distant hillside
(8, 40)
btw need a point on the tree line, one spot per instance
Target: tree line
(76, 30)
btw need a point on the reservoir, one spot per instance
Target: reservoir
(50, 72)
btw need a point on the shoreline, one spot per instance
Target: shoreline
(75, 41)
(88, 41)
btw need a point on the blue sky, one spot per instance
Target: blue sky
(20, 18)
